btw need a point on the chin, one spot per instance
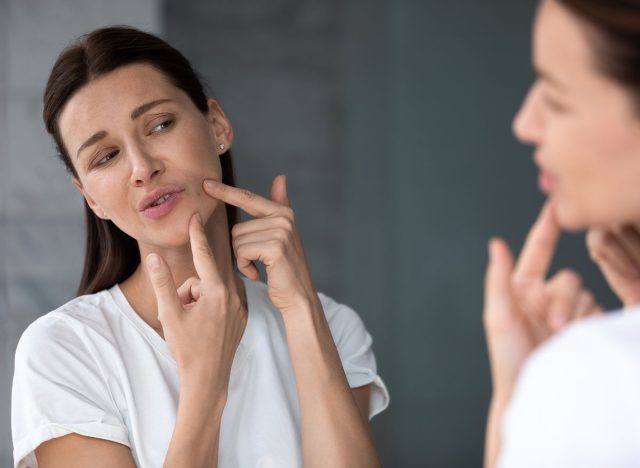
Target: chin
(571, 218)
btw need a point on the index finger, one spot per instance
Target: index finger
(203, 258)
(539, 247)
(253, 204)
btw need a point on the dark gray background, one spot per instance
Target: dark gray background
(392, 121)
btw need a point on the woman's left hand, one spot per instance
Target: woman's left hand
(270, 238)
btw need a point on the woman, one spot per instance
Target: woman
(169, 358)
(572, 400)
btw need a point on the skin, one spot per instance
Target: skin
(187, 270)
(586, 136)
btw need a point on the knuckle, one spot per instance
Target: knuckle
(203, 250)
(220, 294)
(596, 241)
(276, 247)
(247, 194)
(162, 281)
(288, 213)
(569, 276)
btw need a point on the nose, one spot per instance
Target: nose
(144, 166)
(528, 123)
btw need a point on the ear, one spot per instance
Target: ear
(220, 124)
(99, 212)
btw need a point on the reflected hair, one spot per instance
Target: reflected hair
(111, 255)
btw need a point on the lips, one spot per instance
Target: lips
(154, 197)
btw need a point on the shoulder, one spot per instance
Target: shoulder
(66, 327)
(610, 343)
(579, 390)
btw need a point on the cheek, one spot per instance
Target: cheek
(597, 175)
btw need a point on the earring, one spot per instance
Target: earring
(221, 146)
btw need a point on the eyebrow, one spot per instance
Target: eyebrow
(137, 112)
(549, 78)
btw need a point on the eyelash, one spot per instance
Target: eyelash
(554, 105)
(168, 123)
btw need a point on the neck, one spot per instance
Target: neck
(138, 290)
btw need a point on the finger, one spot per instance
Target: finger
(246, 200)
(189, 291)
(262, 224)
(203, 258)
(246, 254)
(263, 235)
(629, 238)
(608, 252)
(563, 292)
(498, 303)
(539, 247)
(585, 305)
(279, 190)
(163, 286)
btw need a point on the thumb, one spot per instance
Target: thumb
(279, 190)
(498, 301)
(163, 286)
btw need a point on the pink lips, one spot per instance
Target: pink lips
(174, 194)
(546, 182)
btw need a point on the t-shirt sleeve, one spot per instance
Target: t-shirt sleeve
(354, 345)
(575, 405)
(58, 389)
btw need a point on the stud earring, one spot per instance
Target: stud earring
(221, 146)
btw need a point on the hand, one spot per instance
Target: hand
(201, 321)
(616, 251)
(271, 238)
(522, 308)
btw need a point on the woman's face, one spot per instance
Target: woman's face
(583, 126)
(141, 150)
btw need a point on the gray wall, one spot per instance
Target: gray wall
(391, 119)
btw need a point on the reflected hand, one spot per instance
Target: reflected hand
(522, 308)
(616, 251)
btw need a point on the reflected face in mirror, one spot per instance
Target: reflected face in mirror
(141, 149)
(584, 126)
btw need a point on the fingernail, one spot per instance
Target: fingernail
(210, 183)
(153, 261)
(491, 248)
(199, 217)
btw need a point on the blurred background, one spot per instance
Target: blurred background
(391, 119)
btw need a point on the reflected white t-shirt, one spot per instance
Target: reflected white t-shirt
(577, 401)
(95, 368)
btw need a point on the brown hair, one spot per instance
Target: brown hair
(615, 37)
(111, 255)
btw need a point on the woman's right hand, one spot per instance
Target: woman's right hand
(616, 251)
(522, 307)
(201, 321)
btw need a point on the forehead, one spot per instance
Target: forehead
(560, 42)
(110, 98)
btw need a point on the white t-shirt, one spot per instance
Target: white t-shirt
(94, 367)
(577, 401)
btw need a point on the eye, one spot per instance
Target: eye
(554, 104)
(162, 126)
(107, 157)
